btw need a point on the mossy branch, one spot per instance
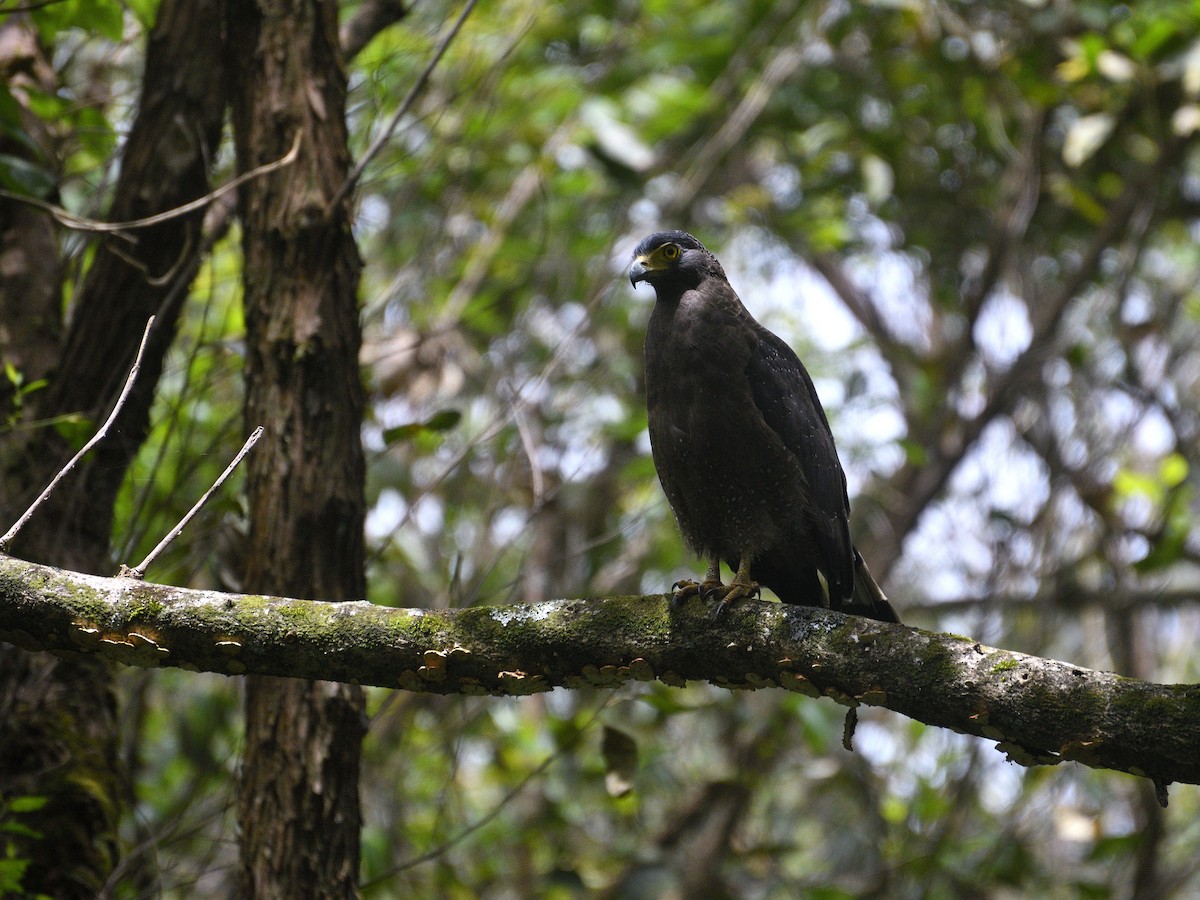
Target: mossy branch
(1039, 711)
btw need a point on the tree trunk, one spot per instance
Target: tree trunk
(58, 718)
(298, 805)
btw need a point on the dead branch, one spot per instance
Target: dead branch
(9, 535)
(139, 571)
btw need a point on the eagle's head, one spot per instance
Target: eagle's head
(668, 257)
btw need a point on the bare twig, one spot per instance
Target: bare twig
(405, 105)
(80, 223)
(96, 438)
(139, 571)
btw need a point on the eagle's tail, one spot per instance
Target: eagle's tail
(868, 599)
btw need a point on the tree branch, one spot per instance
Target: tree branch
(1040, 711)
(367, 21)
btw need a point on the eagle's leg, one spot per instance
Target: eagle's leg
(688, 588)
(741, 588)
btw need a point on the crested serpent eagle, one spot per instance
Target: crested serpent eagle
(741, 444)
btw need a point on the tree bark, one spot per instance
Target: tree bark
(298, 806)
(58, 717)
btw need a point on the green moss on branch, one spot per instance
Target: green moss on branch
(1038, 710)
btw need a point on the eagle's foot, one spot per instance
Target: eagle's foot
(738, 589)
(685, 589)
(682, 591)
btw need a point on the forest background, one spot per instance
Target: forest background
(976, 222)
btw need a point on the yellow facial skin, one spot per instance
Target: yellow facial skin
(655, 261)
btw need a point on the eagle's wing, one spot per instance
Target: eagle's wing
(786, 398)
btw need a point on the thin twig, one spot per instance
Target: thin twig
(139, 571)
(79, 223)
(96, 438)
(407, 104)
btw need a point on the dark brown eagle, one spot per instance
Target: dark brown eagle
(741, 444)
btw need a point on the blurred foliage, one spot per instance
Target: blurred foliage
(1010, 193)
(12, 864)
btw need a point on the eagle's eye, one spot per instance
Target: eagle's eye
(670, 252)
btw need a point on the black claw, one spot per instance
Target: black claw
(719, 612)
(681, 591)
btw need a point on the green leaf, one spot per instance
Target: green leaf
(12, 870)
(1153, 36)
(28, 389)
(1128, 483)
(26, 804)
(146, 11)
(914, 452)
(23, 177)
(100, 17)
(443, 420)
(1173, 470)
(75, 429)
(1177, 528)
